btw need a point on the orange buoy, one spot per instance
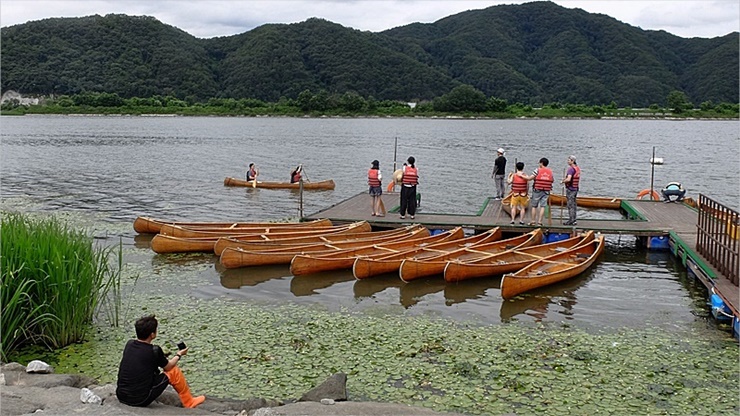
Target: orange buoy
(655, 196)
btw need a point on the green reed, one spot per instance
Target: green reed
(54, 279)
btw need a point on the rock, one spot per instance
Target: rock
(39, 367)
(2, 379)
(335, 388)
(327, 401)
(87, 396)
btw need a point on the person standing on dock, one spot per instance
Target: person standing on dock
(543, 180)
(408, 188)
(252, 172)
(519, 193)
(374, 180)
(498, 174)
(571, 180)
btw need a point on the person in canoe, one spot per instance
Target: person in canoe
(519, 193)
(571, 180)
(296, 174)
(408, 188)
(139, 380)
(374, 180)
(253, 172)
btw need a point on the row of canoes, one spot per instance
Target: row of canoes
(325, 184)
(413, 253)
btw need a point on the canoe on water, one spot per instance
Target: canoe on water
(146, 225)
(371, 236)
(232, 258)
(552, 269)
(428, 264)
(178, 231)
(311, 264)
(162, 243)
(326, 184)
(365, 267)
(588, 201)
(511, 260)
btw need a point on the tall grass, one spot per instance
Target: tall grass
(53, 281)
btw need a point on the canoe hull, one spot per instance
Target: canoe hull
(164, 244)
(146, 225)
(587, 201)
(552, 269)
(327, 184)
(416, 268)
(510, 261)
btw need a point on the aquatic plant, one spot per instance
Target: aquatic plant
(53, 281)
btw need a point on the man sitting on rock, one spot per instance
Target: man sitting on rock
(139, 380)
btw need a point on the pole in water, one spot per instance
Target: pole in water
(652, 174)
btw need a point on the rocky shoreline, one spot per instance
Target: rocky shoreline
(41, 392)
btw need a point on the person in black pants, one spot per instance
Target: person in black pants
(408, 188)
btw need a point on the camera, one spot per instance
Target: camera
(181, 345)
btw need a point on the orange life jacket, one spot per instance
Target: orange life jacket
(575, 179)
(543, 181)
(372, 177)
(410, 176)
(519, 185)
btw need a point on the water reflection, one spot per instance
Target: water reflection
(250, 276)
(415, 290)
(307, 285)
(459, 292)
(368, 288)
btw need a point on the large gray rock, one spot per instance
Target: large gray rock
(335, 388)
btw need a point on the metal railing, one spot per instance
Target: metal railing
(718, 233)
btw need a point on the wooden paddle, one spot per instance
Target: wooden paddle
(381, 207)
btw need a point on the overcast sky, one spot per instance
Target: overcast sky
(210, 18)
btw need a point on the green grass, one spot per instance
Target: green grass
(53, 281)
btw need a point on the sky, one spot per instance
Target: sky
(212, 18)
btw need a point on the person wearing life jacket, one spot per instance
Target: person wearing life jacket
(374, 180)
(295, 175)
(571, 181)
(252, 172)
(673, 189)
(408, 188)
(519, 193)
(541, 188)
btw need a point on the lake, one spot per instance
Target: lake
(106, 171)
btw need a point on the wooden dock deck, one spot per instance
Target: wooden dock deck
(643, 218)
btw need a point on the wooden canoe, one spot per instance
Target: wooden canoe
(430, 264)
(179, 231)
(509, 261)
(552, 269)
(232, 258)
(162, 243)
(326, 184)
(365, 267)
(316, 263)
(588, 201)
(146, 225)
(368, 237)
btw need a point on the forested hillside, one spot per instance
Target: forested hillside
(532, 53)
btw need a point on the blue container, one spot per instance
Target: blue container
(435, 232)
(553, 237)
(659, 243)
(720, 311)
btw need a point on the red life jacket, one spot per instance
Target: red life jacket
(251, 173)
(575, 179)
(372, 177)
(519, 185)
(296, 177)
(543, 181)
(410, 176)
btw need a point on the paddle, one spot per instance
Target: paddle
(303, 173)
(381, 207)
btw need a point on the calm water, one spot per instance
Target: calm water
(114, 169)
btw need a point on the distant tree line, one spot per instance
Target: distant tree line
(462, 100)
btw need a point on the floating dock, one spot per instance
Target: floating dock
(659, 226)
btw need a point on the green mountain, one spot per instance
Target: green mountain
(532, 53)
